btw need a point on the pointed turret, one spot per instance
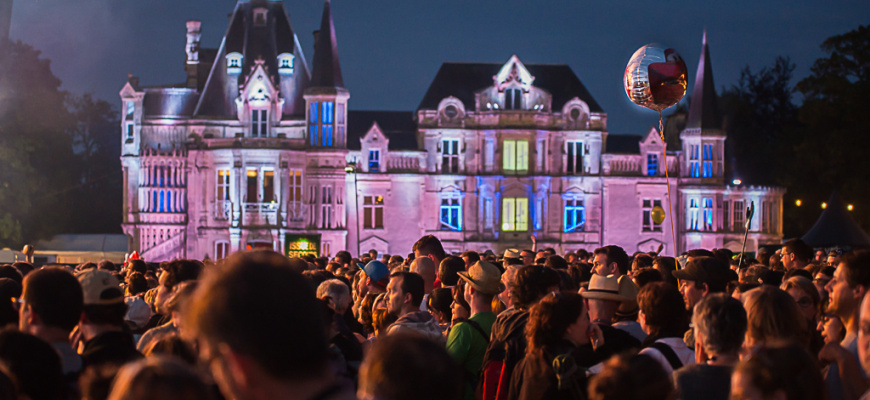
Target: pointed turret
(703, 111)
(326, 68)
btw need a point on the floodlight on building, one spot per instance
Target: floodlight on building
(850, 207)
(798, 202)
(736, 181)
(824, 205)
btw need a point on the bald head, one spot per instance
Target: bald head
(425, 267)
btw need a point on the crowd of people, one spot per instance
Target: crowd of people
(522, 324)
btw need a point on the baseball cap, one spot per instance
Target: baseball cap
(704, 270)
(100, 287)
(376, 270)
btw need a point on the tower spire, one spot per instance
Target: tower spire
(327, 69)
(704, 111)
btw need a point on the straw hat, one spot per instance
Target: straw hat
(604, 288)
(483, 277)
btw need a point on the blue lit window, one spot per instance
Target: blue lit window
(708, 161)
(707, 204)
(162, 201)
(451, 214)
(652, 164)
(575, 215)
(374, 160)
(693, 214)
(312, 113)
(327, 112)
(327, 135)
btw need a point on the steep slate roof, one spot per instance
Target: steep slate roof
(835, 227)
(462, 80)
(169, 102)
(623, 144)
(398, 126)
(704, 111)
(326, 70)
(254, 43)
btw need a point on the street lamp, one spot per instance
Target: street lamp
(351, 169)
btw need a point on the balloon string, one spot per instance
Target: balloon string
(668, 183)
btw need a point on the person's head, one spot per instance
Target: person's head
(507, 278)
(377, 276)
(780, 371)
(557, 317)
(720, 324)
(449, 269)
(864, 334)
(603, 296)
(425, 267)
(833, 258)
(179, 271)
(406, 366)
(696, 253)
(631, 377)
(528, 257)
(373, 254)
(460, 309)
(667, 266)
(641, 260)
(610, 260)
(805, 296)
(172, 345)
(136, 283)
(103, 300)
(820, 256)
(52, 298)
(762, 256)
(849, 284)
(773, 315)
(137, 265)
(556, 262)
(470, 257)
(159, 378)
(702, 276)
(33, 364)
(662, 310)
(531, 284)
(482, 280)
(404, 293)
(336, 293)
(257, 320)
(795, 253)
(381, 320)
(439, 303)
(429, 246)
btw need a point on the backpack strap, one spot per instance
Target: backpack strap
(476, 327)
(669, 354)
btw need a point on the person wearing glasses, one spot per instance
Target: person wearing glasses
(807, 298)
(796, 254)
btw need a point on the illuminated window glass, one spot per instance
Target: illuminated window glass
(451, 214)
(223, 184)
(575, 215)
(707, 204)
(374, 160)
(516, 156)
(515, 214)
(652, 164)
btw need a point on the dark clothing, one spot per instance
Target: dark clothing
(616, 341)
(110, 348)
(703, 382)
(534, 378)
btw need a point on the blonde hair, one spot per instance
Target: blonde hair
(772, 314)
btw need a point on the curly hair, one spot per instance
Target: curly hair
(550, 318)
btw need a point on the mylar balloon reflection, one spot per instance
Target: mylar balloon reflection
(655, 77)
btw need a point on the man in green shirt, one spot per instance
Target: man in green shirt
(468, 340)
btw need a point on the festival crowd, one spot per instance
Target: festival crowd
(522, 324)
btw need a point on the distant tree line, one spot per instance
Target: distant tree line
(812, 137)
(59, 154)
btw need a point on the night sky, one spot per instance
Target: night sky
(391, 50)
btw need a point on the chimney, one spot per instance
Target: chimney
(194, 33)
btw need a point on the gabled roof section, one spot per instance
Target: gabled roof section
(462, 80)
(256, 39)
(704, 110)
(326, 69)
(513, 72)
(652, 137)
(398, 126)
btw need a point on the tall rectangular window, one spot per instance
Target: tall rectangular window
(295, 185)
(574, 165)
(648, 222)
(707, 203)
(339, 114)
(575, 215)
(259, 123)
(652, 164)
(513, 99)
(221, 250)
(739, 216)
(693, 215)
(129, 130)
(515, 214)
(373, 212)
(450, 156)
(326, 207)
(326, 136)
(268, 186)
(327, 112)
(223, 184)
(451, 214)
(707, 171)
(726, 215)
(252, 192)
(313, 139)
(516, 156)
(694, 167)
(374, 160)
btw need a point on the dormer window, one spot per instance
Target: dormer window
(259, 123)
(131, 107)
(513, 99)
(234, 63)
(260, 16)
(285, 63)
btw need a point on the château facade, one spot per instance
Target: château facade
(257, 150)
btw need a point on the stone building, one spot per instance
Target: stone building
(256, 150)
